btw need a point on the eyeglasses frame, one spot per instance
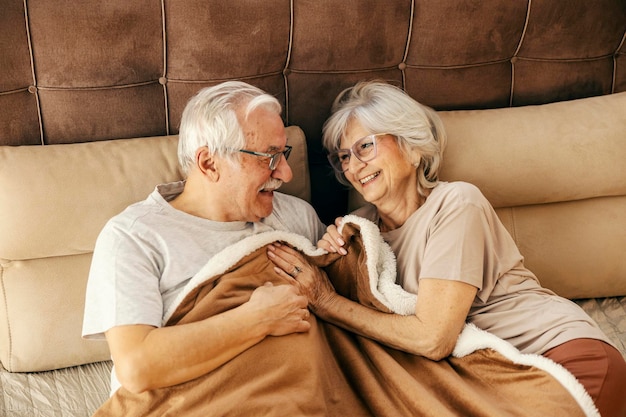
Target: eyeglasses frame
(374, 137)
(274, 157)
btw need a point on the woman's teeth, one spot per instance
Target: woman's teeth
(369, 178)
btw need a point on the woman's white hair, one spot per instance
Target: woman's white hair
(210, 119)
(383, 108)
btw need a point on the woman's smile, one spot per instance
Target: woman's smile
(369, 178)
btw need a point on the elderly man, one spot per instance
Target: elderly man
(233, 150)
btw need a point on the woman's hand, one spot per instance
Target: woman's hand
(332, 240)
(312, 281)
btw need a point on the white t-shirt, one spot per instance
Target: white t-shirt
(456, 235)
(145, 255)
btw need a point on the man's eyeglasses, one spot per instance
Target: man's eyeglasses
(364, 149)
(274, 157)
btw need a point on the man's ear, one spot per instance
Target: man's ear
(206, 163)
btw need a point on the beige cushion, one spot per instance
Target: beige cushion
(575, 248)
(557, 175)
(564, 151)
(55, 200)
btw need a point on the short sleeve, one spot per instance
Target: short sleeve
(460, 244)
(123, 284)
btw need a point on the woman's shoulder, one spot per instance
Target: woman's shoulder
(459, 190)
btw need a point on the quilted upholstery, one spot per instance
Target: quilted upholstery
(93, 70)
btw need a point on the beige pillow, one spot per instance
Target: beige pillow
(571, 150)
(55, 200)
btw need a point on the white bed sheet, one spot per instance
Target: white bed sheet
(70, 392)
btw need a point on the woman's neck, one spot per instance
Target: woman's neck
(393, 216)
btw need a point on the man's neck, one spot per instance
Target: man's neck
(193, 201)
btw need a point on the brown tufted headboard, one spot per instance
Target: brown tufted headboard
(98, 70)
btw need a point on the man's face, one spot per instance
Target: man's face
(252, 182)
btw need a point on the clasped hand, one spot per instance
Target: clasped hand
(283, 308)
(310, 279)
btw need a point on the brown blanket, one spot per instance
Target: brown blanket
(331, 372)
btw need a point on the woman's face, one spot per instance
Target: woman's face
(386, 180)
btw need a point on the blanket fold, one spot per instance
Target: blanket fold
(329, 371)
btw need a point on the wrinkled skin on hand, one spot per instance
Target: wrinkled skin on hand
(284, 307)
(312, 280)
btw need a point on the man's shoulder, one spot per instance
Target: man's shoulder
(288, 200)
(135, 212)
(296, 215)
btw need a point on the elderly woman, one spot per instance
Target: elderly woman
(451, 249)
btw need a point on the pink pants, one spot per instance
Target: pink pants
(600, 368)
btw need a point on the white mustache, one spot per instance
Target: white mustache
(271, 184)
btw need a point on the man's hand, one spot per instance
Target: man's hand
(282, 308)
(146, 357)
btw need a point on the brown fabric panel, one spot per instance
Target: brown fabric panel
(309, 106)
(461, 88)
(459, 57)
(543, 82)
(71, 116)
(480, 32)
(16, 73)
(556, 32)
(349, 274)
(19, 119)
(110, 43)
(178, 93)
(334, 35)
(620, 76)
(218, 40)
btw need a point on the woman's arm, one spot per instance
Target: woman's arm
(442, 307)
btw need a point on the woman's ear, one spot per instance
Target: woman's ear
(206, 163)
(415, 158)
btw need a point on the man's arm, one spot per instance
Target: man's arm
(146, 357)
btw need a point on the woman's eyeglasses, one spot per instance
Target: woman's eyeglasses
(364, 149)
(274, 157)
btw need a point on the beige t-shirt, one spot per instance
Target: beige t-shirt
(456, 235)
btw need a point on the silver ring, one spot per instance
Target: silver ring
(296, 271)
